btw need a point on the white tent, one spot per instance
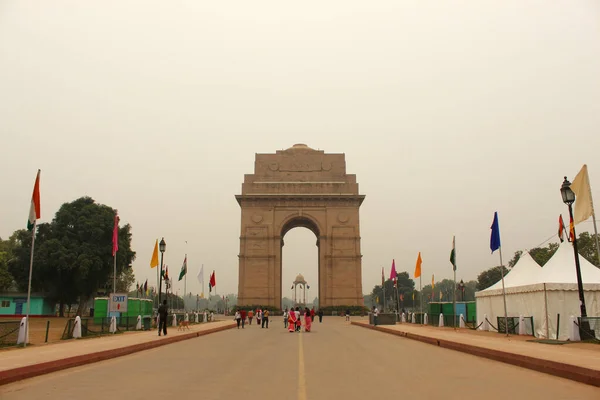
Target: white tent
(545, 294)
(523, 273)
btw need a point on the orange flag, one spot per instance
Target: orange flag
(418, 266)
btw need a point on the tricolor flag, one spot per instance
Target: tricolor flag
(561, 228)
(34, 209)
(571, 230)
(453, 253)
(183, 268)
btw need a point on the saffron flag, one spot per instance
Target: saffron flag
(377, 300)
(183, 268)
(146, 287)
(453, 253)
(34, 208)
(432, 282)
(441, 295)
(115, 237)
(154, 260)
(571, 230)
(584, 208)
(418, 266)
(561, 228)
(495, 238)
(413, 296)
(393, 274)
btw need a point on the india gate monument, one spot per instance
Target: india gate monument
(300, 187)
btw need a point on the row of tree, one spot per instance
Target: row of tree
(406, 286)
(72, 260)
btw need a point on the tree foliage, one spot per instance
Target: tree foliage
(541, 255)
(73, 253)
(6, 279)
(586, 245)
(489, 277)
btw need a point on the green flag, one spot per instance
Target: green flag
(453, 254)
(183, 268)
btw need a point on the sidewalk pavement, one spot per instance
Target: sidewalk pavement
(577, 361)
(21, 363)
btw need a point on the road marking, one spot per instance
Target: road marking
(301, 372)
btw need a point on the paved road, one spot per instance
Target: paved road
(335, 361)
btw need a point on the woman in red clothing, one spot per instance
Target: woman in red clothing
(291, 320)
(307, 320)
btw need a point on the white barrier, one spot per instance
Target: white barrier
(485, 326)
(77, 328)
(113, 324)
(21, 336)
(441, 324)
(521, 325)
(425, 319)
(139, 323)
(574, 333)
(461, 323)
(174, 320)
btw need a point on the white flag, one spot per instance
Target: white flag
(201, 275)
(583, 196)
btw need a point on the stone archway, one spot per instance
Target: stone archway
(300, 187)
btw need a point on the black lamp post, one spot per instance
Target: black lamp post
(162, 246)
(461, 287)
(568, 197)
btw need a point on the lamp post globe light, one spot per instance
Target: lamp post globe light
(568, 197)
(162, 246)
(461, 287)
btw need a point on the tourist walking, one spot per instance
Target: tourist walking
(312, 315)
(265, 319)
(237, 318)
(291, 321)
(320, 315)
(285, 318)
(163, 312)
(375, 314)
(347, 315)
(250, 316)
(298, 320)
(307, 320)
(258, 316)
(243, 317)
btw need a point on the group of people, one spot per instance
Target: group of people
(292, 319)
(293, 322)
(262, 317)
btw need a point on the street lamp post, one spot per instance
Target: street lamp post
(461, 287)
(162, 246)
(568, 197)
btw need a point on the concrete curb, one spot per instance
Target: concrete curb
(30, 371)
(563, 370)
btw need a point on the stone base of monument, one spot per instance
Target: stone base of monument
(383, 319)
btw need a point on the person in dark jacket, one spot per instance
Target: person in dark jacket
(163, 312)
(320, 315)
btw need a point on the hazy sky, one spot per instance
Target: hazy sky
(446, 110)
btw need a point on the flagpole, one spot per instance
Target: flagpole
(421, 294)
(503, 293)
(29, 284)
(593, 217)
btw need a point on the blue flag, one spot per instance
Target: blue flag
(495, 238)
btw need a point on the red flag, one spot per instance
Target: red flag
(213, 281)
(115, 238)
(561, 228)
(393, 274)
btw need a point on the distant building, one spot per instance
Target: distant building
(15, 304)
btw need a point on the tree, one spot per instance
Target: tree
(6, 279)
(489, 277)
(73, 254)
(541, 255)
(586, 244)
(406, 287)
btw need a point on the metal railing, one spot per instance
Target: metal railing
(513, 325)
(589, 328)
(9, 331)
